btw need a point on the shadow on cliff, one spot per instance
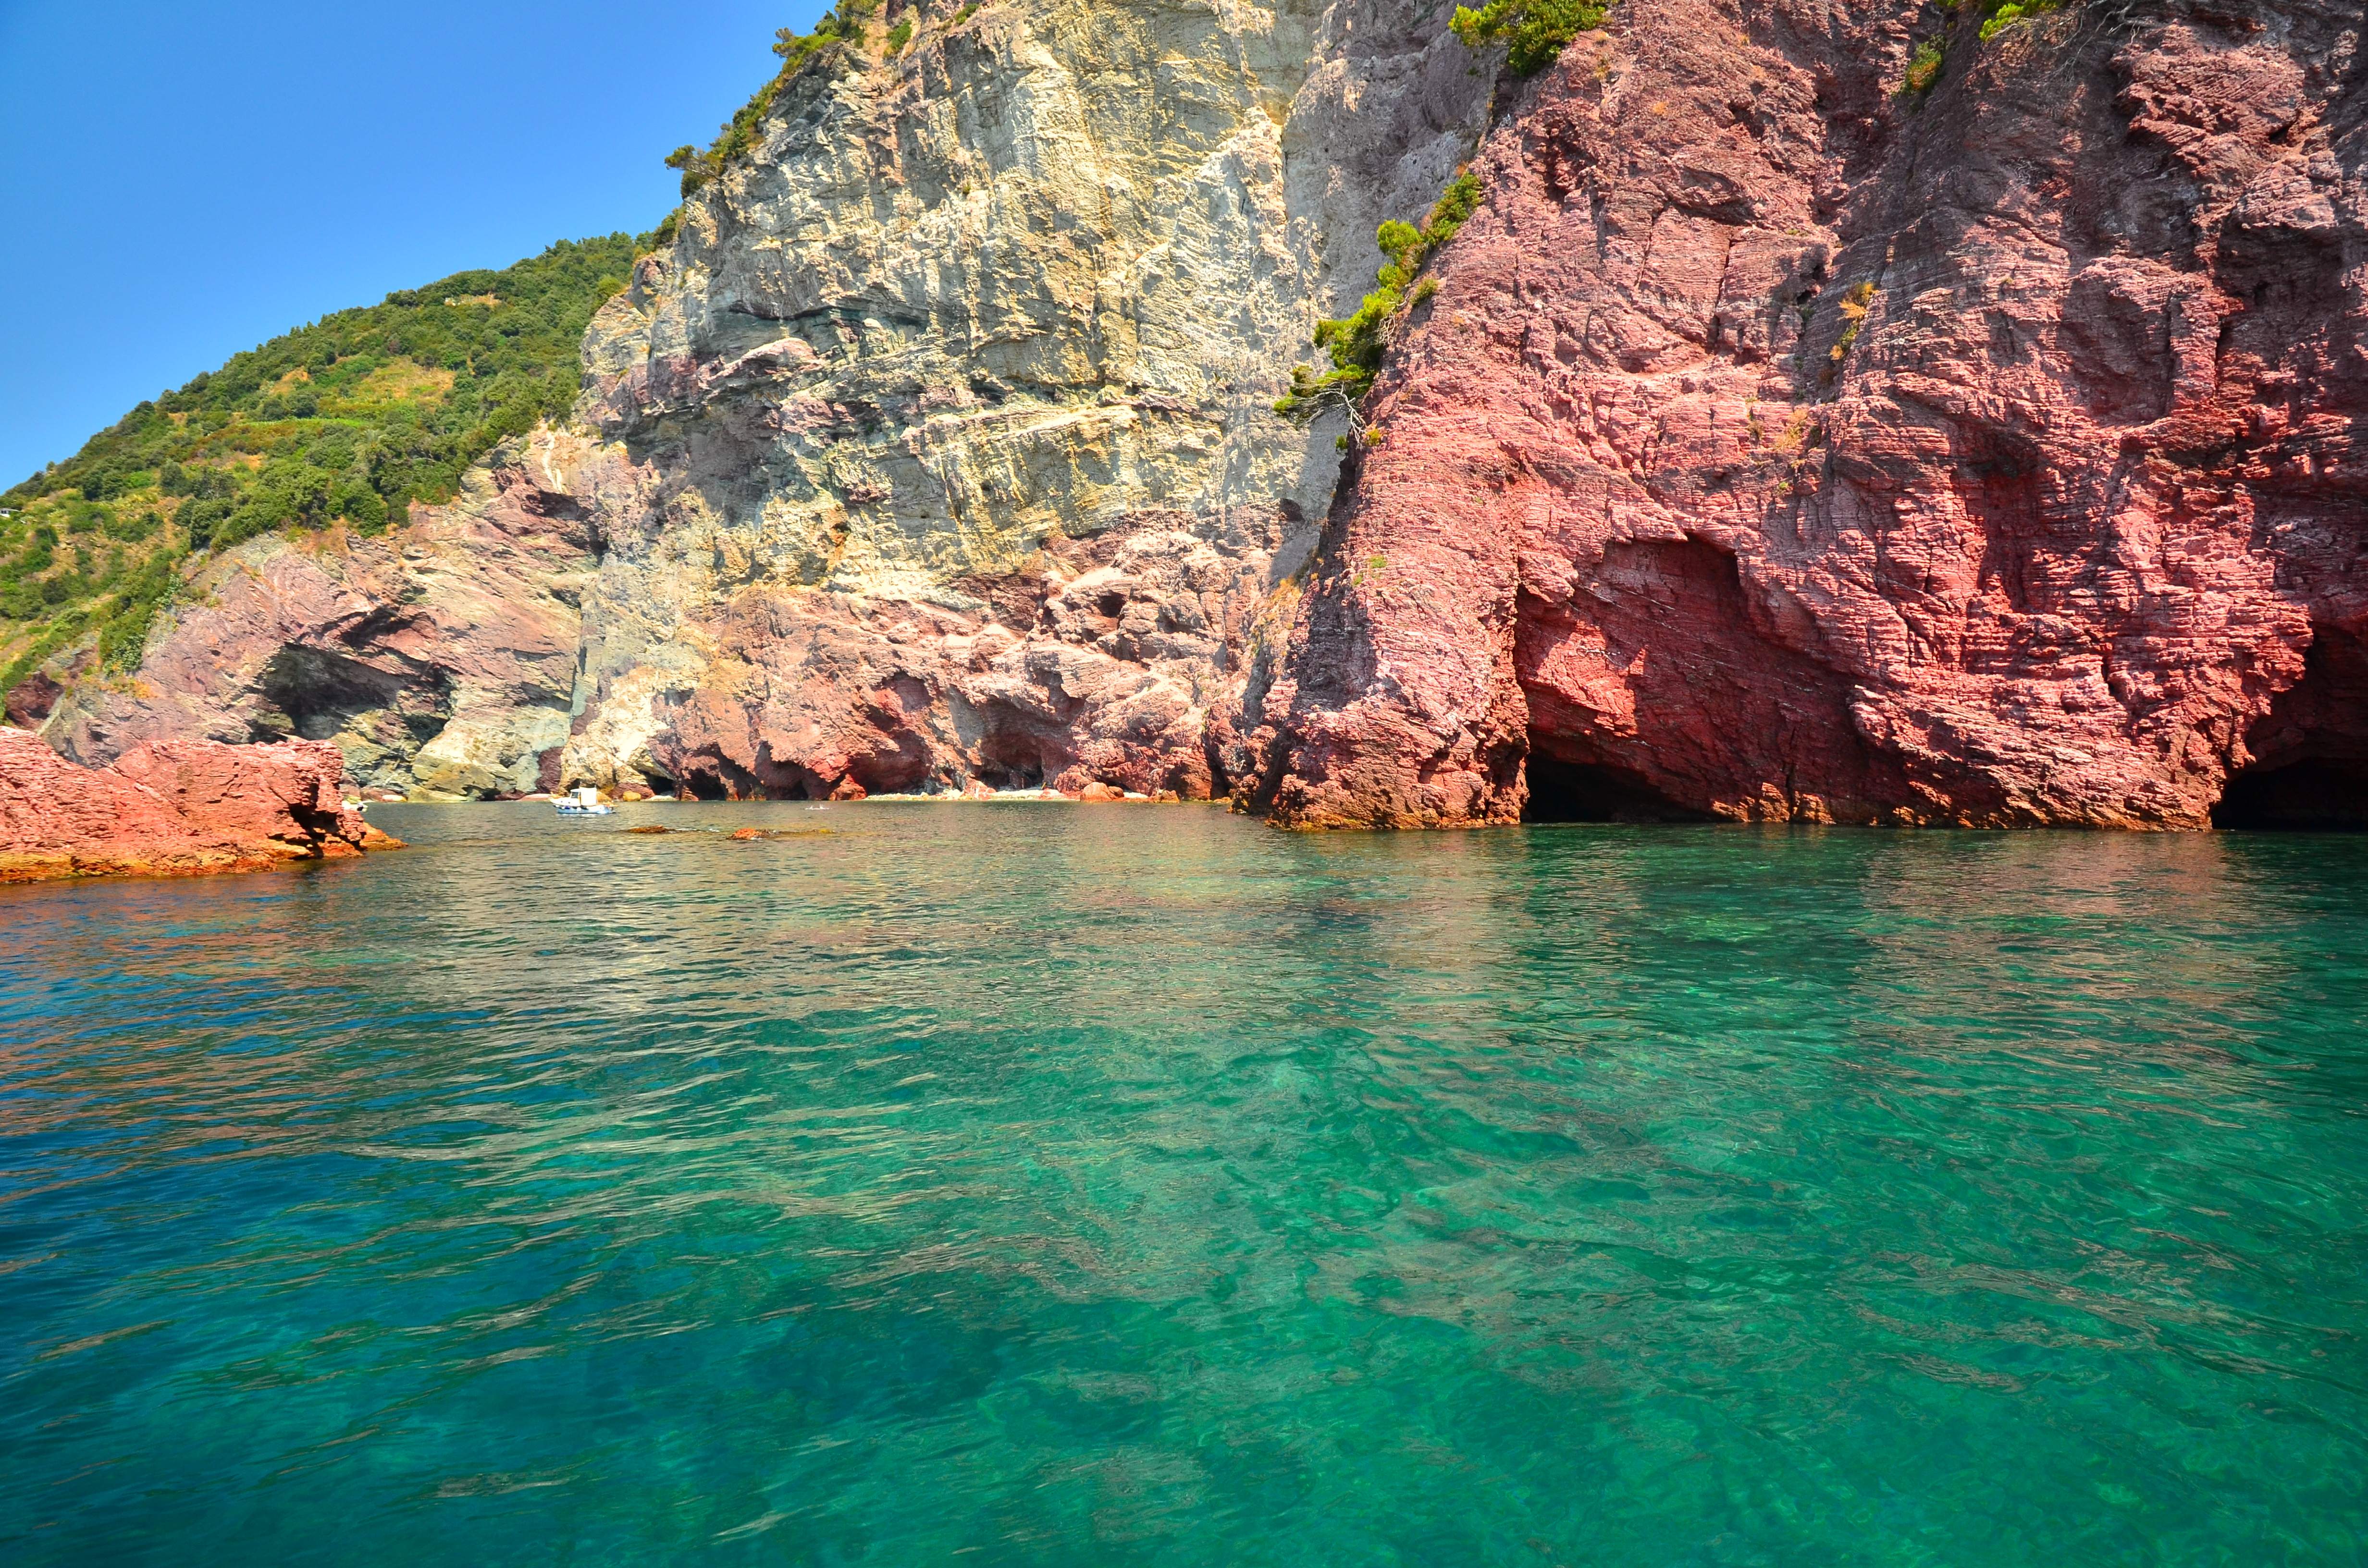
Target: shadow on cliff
(1580, 793)
(2310, 768)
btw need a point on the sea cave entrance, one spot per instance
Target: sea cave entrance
(2310, 768)
(1562, 791)
(2318, 794)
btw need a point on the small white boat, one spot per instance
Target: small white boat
(585, 803)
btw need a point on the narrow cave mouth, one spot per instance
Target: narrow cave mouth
(2314, 795)
(1582, 791)
(2310, 773)
(1003, 775)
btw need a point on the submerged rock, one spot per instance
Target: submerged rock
(173, 809)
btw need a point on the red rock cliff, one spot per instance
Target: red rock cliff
(1779, 447)
(177, 808)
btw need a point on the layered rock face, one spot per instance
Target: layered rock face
(172, 809)
(936, 449)
(1776, 447)
(1776, 444)
(440, 657)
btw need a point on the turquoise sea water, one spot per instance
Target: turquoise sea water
(1019, 1184)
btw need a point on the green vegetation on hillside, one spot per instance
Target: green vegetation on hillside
(1356, 342)
(847, 22)
(348, 420)
(1534, 31)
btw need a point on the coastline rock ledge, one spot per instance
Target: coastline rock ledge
(183, 808)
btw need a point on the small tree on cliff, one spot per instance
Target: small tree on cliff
(1534, 31)
(1356, 342)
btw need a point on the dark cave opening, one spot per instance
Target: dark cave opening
(2310, 768)
(2321, 794)
(315, 693)
(1580, 791)
(997, 773)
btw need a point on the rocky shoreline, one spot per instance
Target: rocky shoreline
(183, 808)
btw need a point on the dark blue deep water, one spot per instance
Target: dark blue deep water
(1043, 1184)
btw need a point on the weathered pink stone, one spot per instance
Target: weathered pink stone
(176, 808)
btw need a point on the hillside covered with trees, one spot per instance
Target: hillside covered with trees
(346, 421)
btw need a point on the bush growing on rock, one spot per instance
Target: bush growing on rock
(2002, 17)
(1856, 300)
(1534, 31)
(1923, 73)
(1355, 342)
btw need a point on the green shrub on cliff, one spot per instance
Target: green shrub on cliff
(2001, 17)
(351, 419)
(1924, 66)
(737, 135)
(1534, 31)
(1855, 303)
(125, 630)
(1455, 204)
(1930, 59)
(1355, 342)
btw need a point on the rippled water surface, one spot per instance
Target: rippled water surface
(1014, 1184)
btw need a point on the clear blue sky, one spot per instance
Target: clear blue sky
(185, 180)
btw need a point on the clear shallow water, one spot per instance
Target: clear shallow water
(1047, 1184)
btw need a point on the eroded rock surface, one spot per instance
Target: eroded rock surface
(440, 657)
(1778, 448)
(938, 449)
(172, 809)
(1775, 446)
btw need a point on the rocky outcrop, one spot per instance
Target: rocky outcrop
(1776, 447)
(30, 700)
(1772, 444)
(173, 809)
(936, 449)
(439, 658)
(941, 447)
